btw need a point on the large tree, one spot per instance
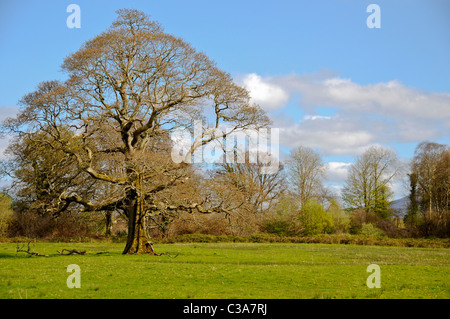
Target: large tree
(430, 183)
(127, 89)
(244, 186)
(259, 192)
(305, 172)
(368, 184)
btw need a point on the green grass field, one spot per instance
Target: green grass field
(226, 270)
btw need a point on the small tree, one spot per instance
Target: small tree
(411, 217)
(382, 202)
(315, 219)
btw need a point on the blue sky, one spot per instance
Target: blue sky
(327, 80)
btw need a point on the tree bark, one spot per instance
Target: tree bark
(137, 240)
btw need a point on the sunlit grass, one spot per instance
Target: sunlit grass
(226, 270)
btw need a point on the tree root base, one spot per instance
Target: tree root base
(148, 250)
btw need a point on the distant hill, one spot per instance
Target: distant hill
(400, 206)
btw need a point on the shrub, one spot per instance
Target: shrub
(357, 219)
(30, 225)
(284, 220)
(283, 224)
(389, 226)
(33, 225)
(315, 219)
(279, 227)
(369, 229)
(184, 223)
(347, 239)
(341, 219)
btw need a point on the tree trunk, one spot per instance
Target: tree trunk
(137, 241)
(108, 223)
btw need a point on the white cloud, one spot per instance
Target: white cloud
(389, 99)
(270, 96)
(337, 171)
(336, 189)
(332, 135)
(4, 142)
(316, 117)
(8, 111)
(382, 112)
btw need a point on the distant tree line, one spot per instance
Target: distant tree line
(292, 202)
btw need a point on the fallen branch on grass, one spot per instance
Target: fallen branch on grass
(167, 255)
(31, 253)
(150, 244)
(71, 251)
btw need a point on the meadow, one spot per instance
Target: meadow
(226, 271)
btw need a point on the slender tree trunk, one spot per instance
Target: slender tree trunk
(108, 223)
